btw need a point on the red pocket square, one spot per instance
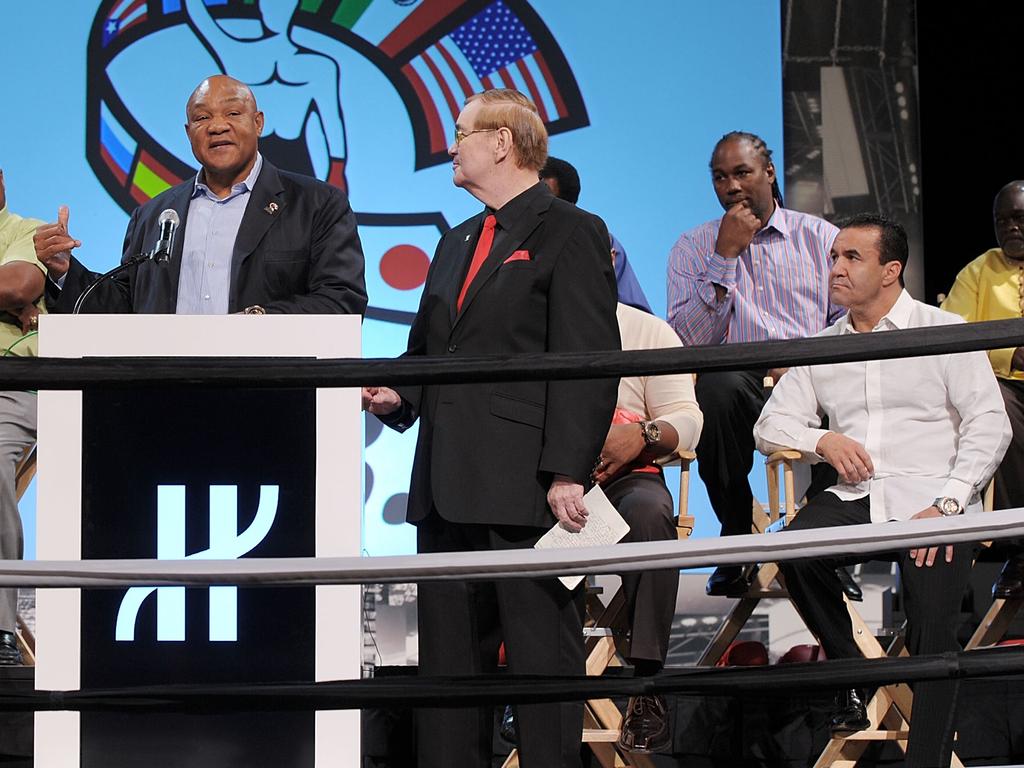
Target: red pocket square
(518, 256)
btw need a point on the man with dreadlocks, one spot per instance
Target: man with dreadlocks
(759, 273)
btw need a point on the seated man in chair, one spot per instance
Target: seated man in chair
(21, 290)
(655, 417)
(912, 438)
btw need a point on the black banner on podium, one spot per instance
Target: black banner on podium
(214, 474)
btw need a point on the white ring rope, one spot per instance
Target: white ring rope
(521, 563)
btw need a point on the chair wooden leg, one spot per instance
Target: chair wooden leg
(26, 642)
(995, 623)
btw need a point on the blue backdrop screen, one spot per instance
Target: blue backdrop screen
(364, 92)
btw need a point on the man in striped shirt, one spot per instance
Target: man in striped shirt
(759, 273)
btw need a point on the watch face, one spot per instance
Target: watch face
(652, 433)
(950, 507)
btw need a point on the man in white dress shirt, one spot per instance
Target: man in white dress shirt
(910, 439)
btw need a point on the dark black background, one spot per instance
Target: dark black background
(972, 143)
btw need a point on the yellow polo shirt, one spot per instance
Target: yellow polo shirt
(990, 288)
(16, 245)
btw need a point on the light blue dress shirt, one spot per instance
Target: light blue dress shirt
(210, 232)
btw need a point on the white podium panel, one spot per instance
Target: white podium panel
(187, 473)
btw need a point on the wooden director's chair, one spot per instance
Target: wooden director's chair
(23, 474)
(889, 710)
(605, 629)
(1001, 613)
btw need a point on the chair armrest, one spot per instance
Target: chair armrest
(787, 454)
(677, 457)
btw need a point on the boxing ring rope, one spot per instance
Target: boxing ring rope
(123, 373)
(517, 563)
(409, 691)
(276, 373)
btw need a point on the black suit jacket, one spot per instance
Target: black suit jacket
(486, 453)
(297, 251)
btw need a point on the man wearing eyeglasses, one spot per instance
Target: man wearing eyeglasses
(498, 464)
(992, 288)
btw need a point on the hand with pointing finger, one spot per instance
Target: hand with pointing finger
(739, 225)
(53, 245)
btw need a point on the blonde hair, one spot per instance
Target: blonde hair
(506, 108)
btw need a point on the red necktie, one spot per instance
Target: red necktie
(483, 247)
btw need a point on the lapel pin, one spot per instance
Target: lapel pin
(271, 208)
(467, 238)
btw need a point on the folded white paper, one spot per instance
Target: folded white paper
(604, 526)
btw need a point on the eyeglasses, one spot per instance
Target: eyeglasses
(461, 136)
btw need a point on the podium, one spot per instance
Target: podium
(160, 472)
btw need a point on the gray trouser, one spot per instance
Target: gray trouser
(17, 430)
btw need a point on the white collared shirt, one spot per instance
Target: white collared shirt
(933, 426)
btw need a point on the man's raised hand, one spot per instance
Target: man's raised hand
(739, 225)
(53, 245)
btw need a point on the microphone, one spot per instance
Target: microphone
(168, 223)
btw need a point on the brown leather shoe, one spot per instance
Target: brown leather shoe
(645, 727)
(1010, 584)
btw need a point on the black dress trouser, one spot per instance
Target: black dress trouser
(931, 598)
(731, 401)
(462, 624)
(646, 505)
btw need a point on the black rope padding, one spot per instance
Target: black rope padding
(409, 691)
(267, 373)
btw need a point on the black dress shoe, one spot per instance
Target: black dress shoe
(850, 587)
(850, 713)
(645, 727)
(9, 653)
(1010, 584)
(509, 730)
(728, 581)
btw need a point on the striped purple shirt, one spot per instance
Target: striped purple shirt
(776, 289)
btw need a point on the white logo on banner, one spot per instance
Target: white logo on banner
(225, 544)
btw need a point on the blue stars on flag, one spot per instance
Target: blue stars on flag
(493, 39)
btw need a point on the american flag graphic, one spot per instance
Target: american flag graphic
(494, 48)
(491, 50)
(123, 15)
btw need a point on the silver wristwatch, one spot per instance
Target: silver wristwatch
(651, 432)
(948, 506)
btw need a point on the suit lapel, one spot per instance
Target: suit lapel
(504, 247)
(179, 200)
(266, 203)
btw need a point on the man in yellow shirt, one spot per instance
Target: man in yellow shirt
(992, 288)
(21, 289)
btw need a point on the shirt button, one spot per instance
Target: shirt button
(452, 347)
(207, 297)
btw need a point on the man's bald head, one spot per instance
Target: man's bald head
(220, 84)
(1008, 215)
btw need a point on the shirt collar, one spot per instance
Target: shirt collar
(778, 222)
(245, 185)
(897, 318)
(5, 214)
(514, 209)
